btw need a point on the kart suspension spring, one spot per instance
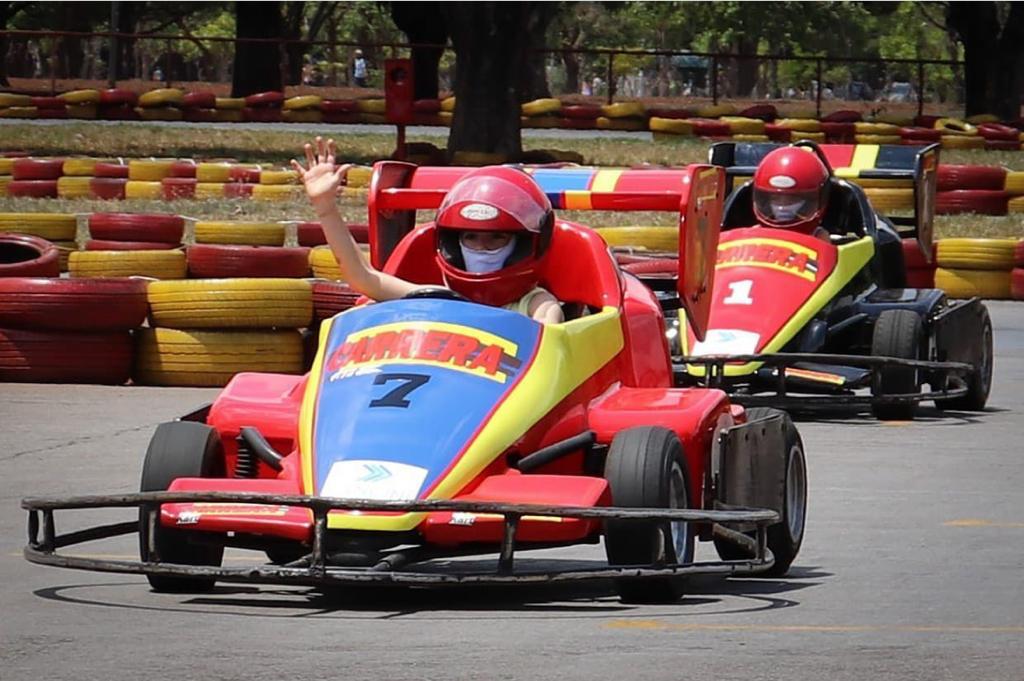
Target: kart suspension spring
(246, 464)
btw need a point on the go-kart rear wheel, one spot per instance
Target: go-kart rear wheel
(180, 449)
(646, 468)
(897, 333)
(785, 537)
(979, 383)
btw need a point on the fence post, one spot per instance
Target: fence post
(114, 57)
(920, 89)
(53, 65)
(167, 62)
(611, 77)
(714, 80)
(817, 104)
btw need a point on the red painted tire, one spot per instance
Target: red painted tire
(65, 356)
(653, 266)
(117, 170)
(238, 190)
(49, 103)
(199, 100)
(214, 261)
(38, 168)
(842, 116)
(1002, 145)
(581, 111)
(118, 113)
(332, 297)
(674, 114)
(185, 169)
(343, 106)
(921, 135)
(112, 98)
(264, 100)
(199, 115)
(24, 255)
(178, 188)
(578, 123)
(39, 189)
(926, 121)
(105, 245)
(52, 114)
(72, 304)
(913, 258)
(312, 234)
(839, 132)
(107, 187)
(706, 127)
(137, 227)
(261, 115)
(970, 177)
(921, 277)
(1018, 254)
(996, 131)
(777, 133)
(985, 202)
(1016, 284)
(424, 105)
(244, 174)
(766, 112)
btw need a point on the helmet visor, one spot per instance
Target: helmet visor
(788, 208)
(480, 198)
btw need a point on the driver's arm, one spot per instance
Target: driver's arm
(544, 308)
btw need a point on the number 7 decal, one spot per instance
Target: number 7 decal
(396, 397)
(739, 293)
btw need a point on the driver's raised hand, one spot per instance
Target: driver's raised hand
(320, 177)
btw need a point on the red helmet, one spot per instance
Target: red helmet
(494, 199)
(791, 189)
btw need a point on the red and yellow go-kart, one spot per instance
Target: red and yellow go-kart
(801, 322)
(434, 427)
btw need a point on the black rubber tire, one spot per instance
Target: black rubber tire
(645, 468)
(897, 333)
(785, 537)
(979, 383)
(180, 449)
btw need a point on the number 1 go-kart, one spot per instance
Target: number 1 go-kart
(432, 427)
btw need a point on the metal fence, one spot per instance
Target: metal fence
(50, 62)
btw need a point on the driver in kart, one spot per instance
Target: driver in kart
(493, 228)
(791, 191)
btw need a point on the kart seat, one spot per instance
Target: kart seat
(843, 216)
(578, 270)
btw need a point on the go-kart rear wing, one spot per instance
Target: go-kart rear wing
(855, 162)
(695, 192)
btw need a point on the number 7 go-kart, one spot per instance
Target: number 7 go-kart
(431, 428)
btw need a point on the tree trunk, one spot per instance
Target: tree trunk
(572, 72)
(491, 57)
(127, 22)
(423, 24)
(746, 69)
(257, 65)
(534, 80)
(992, 58)
(5, 14)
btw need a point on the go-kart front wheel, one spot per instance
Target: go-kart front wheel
(646, 468)
(897, 333)
(179, 449)
(979, 383)
(786, 536)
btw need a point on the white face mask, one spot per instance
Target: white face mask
(482, 262)
(787, 212)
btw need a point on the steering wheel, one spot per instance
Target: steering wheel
(438, 292)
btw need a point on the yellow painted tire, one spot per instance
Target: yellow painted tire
(885, 199)
(738, 125)
(241, 233)
(302, 102)
(959, 283)
(230, 103)
(211, 358)
(818, 137)
(540, 122)
(165, 96)
(159, 264)
(162, 113)
(73, 187)
(962, 142)
(231, 303)
(141, 189)
(1014, 182)
(149, 171)
(373, 105)
(5, 180)
(631, 124)
(213, 172)
(229, 116)
(448, 105)
(1014, 205)
(955, 126)
(542, 107)
(323, 263)
(303, 116)
(651, 238)
(881, 182)
(209, 190)
(8, 99)
(877, 139)
(6, 166)
(19, 112)
(865, 128)
(751, 138)
(672, 126)
(715, 111)
(49, 226)
(624, 110)
(81, 97)
(279, 177)
(277, 192)
(82, 111)
(80, 167)
(358, 176)
(976, 254)
(799, 124)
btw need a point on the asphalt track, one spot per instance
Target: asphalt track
(913, 568)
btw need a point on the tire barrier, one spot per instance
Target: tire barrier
(103, 245)
(206, 261)
(173, 357)
(25, 255)
(977, 254)
(963, 283)
(158, 264)
(231, 303)
(332, 297)
(240, 233)
(103, 357)
(971, 177)
(74, 187)
(981, 201)
(50, 226)
(137, 227)
(887, 199)
(650, 238)
(323, 264)
(920, 273)
(53, 304)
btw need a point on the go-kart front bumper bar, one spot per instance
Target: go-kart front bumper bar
(779, 394)
(315, 570)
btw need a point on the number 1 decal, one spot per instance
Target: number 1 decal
(739, 293)
(396, 396)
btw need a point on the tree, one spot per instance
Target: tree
(257, 64)
(423, 24)
(992, 34)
